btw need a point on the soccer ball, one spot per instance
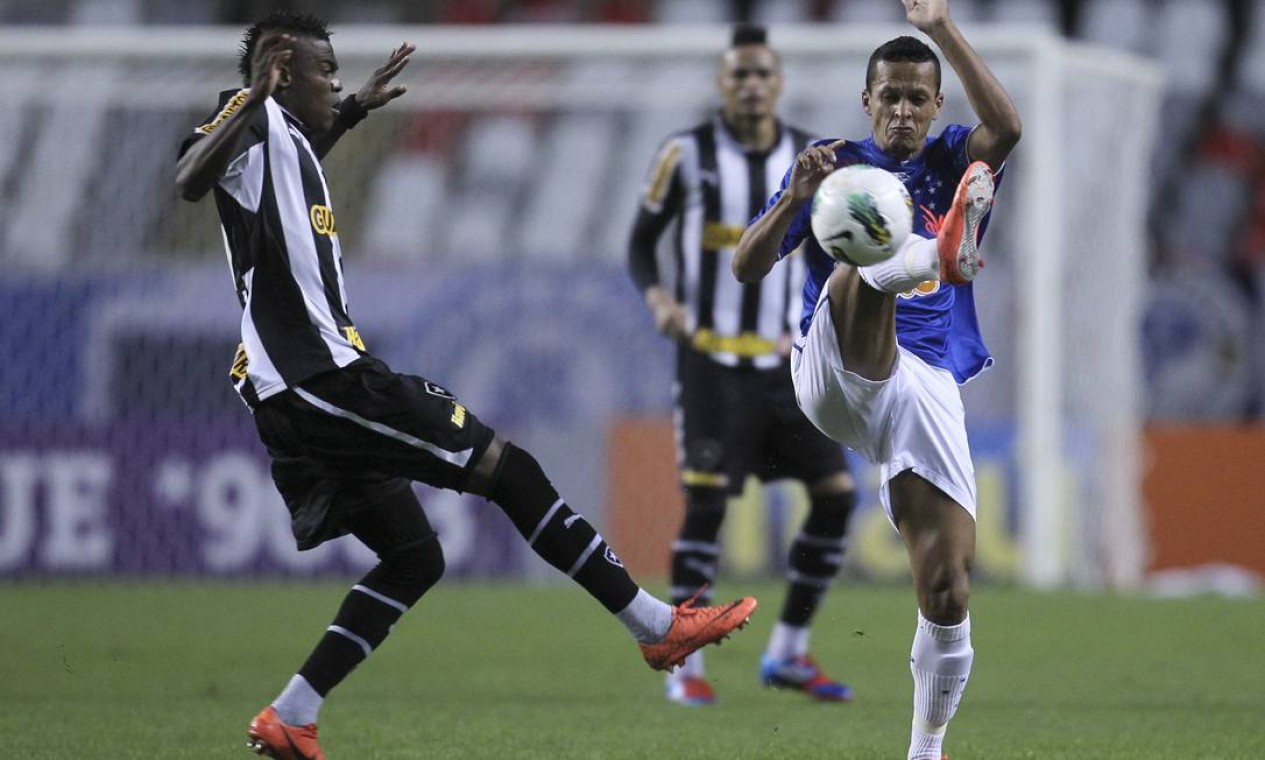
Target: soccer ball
(861, 214)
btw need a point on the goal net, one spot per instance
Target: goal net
(484, 218)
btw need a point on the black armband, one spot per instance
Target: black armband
(351, 112)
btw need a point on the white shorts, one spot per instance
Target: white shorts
(913, 420)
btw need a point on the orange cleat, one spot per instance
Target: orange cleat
(958, 235)
(269, 736)
(694, 628)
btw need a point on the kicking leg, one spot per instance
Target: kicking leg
(865, 324)
(567, 541)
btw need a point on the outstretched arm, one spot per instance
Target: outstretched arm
(375, 93)
(758, 249)
(204, 162)
(999, 128)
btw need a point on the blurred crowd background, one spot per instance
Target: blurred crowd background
(1206, 232)
(485, 248)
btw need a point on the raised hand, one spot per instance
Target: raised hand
(811, 167)
(925, 15)
(377, 92)
(271, 59)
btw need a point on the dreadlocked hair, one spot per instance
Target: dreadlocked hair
(297, 24)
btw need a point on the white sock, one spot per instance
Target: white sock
(787, 642)
(646, 618)
(917, 261)
(925, 741)
(298, 703)
(940, 661)
(693, 666)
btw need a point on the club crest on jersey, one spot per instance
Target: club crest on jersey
(323, 220)
(435, 389)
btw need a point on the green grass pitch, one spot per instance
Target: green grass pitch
(176, 670)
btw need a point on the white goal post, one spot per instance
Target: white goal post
(1060, 300)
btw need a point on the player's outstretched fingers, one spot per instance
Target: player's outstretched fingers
(823, 160)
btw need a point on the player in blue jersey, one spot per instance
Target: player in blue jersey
(884, 347)
(735, 413)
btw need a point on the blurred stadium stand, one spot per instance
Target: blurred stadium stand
(485, 187)
(490, 177)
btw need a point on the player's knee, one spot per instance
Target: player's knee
(414, 568)
(945, 594)
(704, 465)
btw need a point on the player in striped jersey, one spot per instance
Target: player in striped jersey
(884, 347)
(346, 435)
(735, 406)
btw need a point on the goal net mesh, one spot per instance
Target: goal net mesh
(484, 218)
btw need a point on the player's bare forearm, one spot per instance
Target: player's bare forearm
(758, 248)
(999, 124)
(204, 162)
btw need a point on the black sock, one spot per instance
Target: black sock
(695, 552)
(561, 537)
(369, 610)
(816, 555)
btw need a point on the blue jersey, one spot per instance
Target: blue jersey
(935, 321)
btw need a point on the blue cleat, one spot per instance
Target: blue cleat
(803, 674)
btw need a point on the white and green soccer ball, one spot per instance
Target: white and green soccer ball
(862, 214)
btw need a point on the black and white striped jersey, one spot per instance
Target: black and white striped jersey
(706, 182)
(282, 246)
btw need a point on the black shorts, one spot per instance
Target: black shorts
(347, 440)
(735, 422)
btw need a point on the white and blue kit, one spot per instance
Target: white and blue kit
(913, 419)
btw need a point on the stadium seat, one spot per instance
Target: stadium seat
(1118, 23)
(693, 12)
(574, 160)
(1036, 12)
(405, 194)
(1190, 35)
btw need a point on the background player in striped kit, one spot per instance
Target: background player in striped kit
(346, 434)
(884, 347)
(735, 406)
